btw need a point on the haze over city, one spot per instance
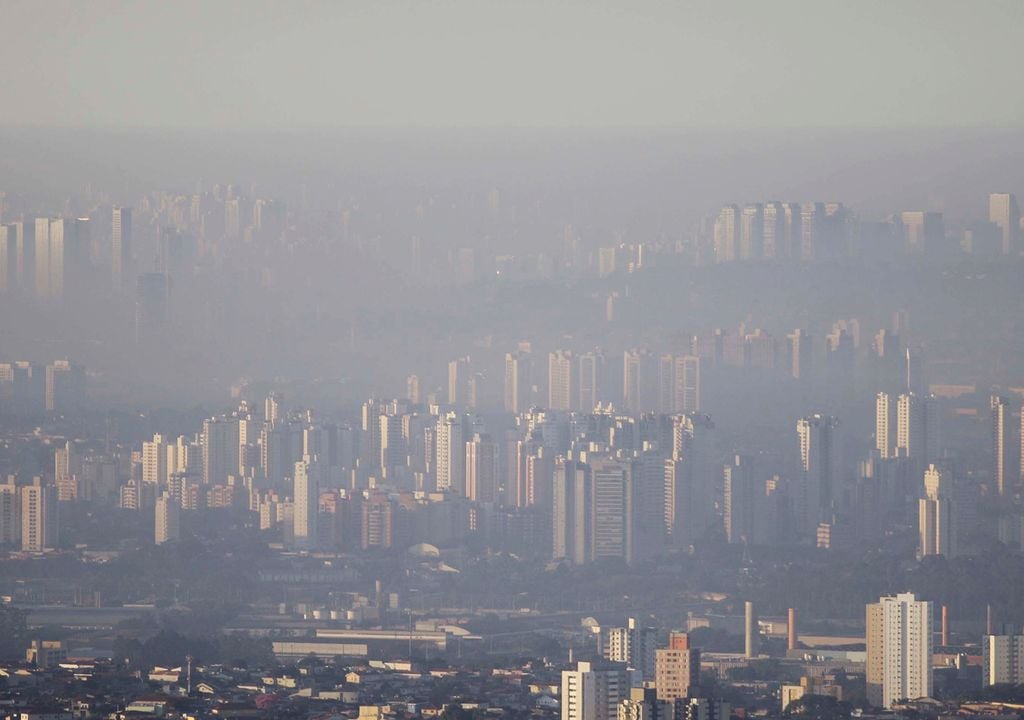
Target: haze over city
(592, 361)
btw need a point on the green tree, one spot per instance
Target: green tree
(13, 632)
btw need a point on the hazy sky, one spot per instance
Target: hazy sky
(483, 63)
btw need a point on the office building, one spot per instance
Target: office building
(899, 650)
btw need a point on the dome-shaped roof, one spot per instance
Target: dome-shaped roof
(424, 550)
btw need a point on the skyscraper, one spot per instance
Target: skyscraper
(306, 497)
(121, 247)
(799, 354)
(591, 377)
(1001, 444)
(458, 377)
(899, 649)
(751, 232)
(560, 380)
(726, 238)
(883, 426)
(687, 384)
(39, 528)
(739, 500)
(817, 483)
(41, 260)
(936, 514)
(450, 457)
(570, 511)
(1004, 212)
(220, 449)
(482, 469)
(518, 381)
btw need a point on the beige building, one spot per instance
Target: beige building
(676, 668)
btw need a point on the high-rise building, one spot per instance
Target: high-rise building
(687, 384)
(450, 455)
(167, 526)
(220, 449)
(1003, 660)
(7, 259)
(39, 519)
(751, 631)
(726, 234)
(884, 440)
(1001, 445)
(518, 381)
(751, 232)
(482, 469)
(817, 484)
(154, 461)
(812, 230)
(922, 231)
(41, 258)
(936, 514)
(10, 517)
(458, 380)
(643, 704)
(612, 509)
(1004, 212)
(636, 380)
(799, 354)
(570, 511)
(676, 668)
(307, 502)
(739, 500)
(121, 247)
(591, 377)
(560, 380)
(593, 692)
(633, 645)
(899, 650)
